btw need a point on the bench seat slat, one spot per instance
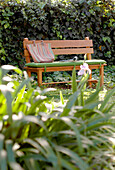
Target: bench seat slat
(59, 64)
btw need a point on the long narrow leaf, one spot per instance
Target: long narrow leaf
(27, 77)
(18, 99)
(26, 101)
(49, 151)
(1, 141)
(92, 105)
(82, 98)
(98, 84)
(35, 144)
(96, 122)
(70, 103)
(35, 105)
(93, 96)
(98, 125)
(108, 109)
(111, 92)
(34, 164)
(15, 165)
(20, 87)
(30, 164)
(37, 156)
(83, 81)
(67, 165)
(10, 152)
(3, 160)
(9, 105)
(74, 83)
(77, 133)
(35, 120)
(7, 93)
(0, 76)
(76, 159)
(61, 98)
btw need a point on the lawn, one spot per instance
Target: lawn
(55, 95)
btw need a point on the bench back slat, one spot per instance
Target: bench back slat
(65, 43)
(72, 51)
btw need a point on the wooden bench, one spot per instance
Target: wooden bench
(64, 47)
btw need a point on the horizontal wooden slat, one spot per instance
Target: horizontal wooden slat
(65, 43)
(72, 51)
(50, 83)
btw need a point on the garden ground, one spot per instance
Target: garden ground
(109, 83)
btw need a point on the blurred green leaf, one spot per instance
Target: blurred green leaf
(6, 92)
(76, 159)
(22, 84)
(3, 160)
(78, 137)
(93, 96)
(74, 84)
(106, 99)
(70, 103)
(10, 153)
(1, 141)
(61, 98)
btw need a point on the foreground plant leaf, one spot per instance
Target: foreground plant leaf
(74, 84)
(70, 103)
(3, 160)
(106, 99)
(77, 133)
(76, 159)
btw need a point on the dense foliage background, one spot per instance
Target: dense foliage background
(60, 20)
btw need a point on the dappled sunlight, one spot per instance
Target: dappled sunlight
(5, 88)
(7, 78)
(102, 94)
(8, 67)
(112, 139)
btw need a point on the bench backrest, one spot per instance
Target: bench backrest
(64, 47)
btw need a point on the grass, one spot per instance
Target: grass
(55, 95)
(112, 99)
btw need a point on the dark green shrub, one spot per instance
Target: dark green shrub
(61, 20)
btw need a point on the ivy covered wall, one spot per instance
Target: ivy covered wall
(74, 19)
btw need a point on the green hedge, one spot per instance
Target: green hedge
(60, 20)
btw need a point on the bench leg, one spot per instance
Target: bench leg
(29, 73)
(39, 75)
(90, 83)
(102, 75)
